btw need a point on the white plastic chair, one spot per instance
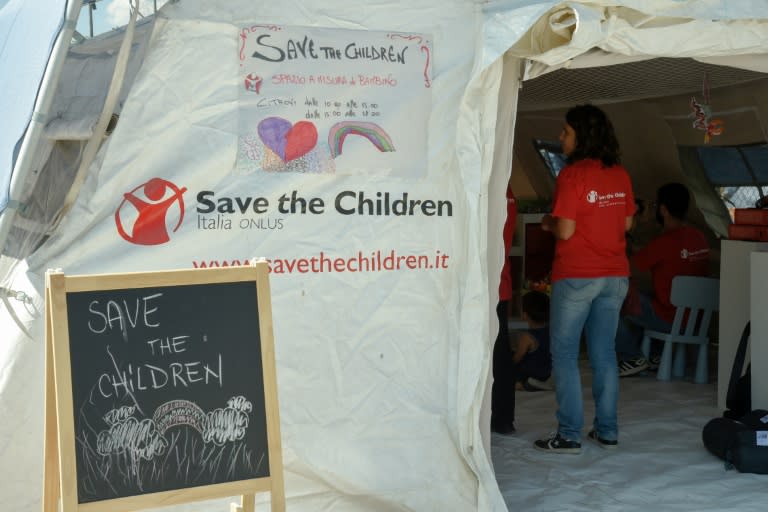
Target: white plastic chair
(699, 296)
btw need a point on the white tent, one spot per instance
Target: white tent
(382, 359)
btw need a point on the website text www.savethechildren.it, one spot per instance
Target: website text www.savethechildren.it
(375, 261)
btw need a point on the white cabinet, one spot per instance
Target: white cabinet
(758, 343)
(743, 295)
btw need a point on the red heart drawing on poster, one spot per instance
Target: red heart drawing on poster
(300, 140)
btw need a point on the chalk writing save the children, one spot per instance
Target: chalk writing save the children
(144, 312)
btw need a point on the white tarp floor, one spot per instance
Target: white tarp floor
(660, 464)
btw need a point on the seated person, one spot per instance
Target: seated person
(532, 358)
(679, 250)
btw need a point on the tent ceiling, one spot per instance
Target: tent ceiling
(625, 82)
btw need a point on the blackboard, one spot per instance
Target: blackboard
(167, 386)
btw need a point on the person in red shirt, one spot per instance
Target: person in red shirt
(593, 208)
(505, 285)
(680, 250)
(503, 388)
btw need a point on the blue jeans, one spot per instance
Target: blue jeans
(629, 334)
(593, 305)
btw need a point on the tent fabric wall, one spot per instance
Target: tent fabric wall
(372, 373)
(72, 115)
(504, 72)
(566, 31)
(376, 373)
(23, 60)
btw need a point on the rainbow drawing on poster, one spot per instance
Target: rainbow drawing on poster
(371, 131)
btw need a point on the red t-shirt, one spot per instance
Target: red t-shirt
(505, 286)
(598, 199)
(680, 252)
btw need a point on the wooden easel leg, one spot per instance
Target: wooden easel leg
(247, 504)
(51, 477)
(278, 499)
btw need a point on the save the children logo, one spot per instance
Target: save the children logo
(150, 212)
(592, 196)
(696, 255)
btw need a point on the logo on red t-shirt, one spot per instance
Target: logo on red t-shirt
(592, 196)
(694, 255)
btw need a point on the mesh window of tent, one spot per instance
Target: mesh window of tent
(552, 155)
(738, 173)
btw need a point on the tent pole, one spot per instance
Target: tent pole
(39, 118)
(99, 131)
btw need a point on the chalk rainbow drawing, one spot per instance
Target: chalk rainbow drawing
(371, 131)
(179, 412)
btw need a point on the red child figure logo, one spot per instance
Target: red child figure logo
(149, 226)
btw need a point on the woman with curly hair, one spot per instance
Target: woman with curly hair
(593, 208)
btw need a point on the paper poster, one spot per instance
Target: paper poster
(324, 101)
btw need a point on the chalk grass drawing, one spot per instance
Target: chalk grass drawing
(371, 131)
(179, 441)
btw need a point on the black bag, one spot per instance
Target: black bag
(741, 444)
(740, 437)
(738, 401)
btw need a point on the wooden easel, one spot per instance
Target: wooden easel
(60, 479)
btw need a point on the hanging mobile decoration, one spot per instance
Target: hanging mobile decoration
(702, 114)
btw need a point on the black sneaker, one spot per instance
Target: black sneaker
(531, 384)
(653, 363)
(608, 444)
(557, 444)
(632, 367)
